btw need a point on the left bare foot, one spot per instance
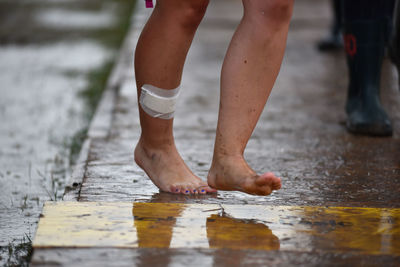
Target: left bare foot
(232, 173)
(167, 171)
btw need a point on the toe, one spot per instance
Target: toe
(210, 189)
(268, 178)
(270, 175)
(277, 184)
(201, 189)
(265, 191)
(263, 180)
(185, 191)
(204, 189)
(192, 188)
(194, 191)
(175, 189)
(182, 189)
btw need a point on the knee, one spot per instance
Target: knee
(187, 13)
(192, 12)
(270, 13)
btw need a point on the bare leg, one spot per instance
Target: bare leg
(159, 59)
(249, 72)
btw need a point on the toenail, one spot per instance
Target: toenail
(177, 190)
(187, 191)
(194, 191)
(202, 190)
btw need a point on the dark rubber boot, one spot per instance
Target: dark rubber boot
(334, 40)
(365, 44)
(394, 48)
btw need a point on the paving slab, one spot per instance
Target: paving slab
(122, 233)
(370, 231)
(202, 257)
(301, 136)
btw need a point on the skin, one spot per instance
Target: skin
(249, 72)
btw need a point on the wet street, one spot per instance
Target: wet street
(340, 198)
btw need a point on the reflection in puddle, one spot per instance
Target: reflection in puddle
(226, 232)
(172, 225)
(363, 230)
(154, 226)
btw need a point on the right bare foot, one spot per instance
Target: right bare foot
(232, 173)
(168, 171)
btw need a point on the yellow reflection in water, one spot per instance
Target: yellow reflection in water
(154, 224)
(226, 232)
(157, 223)
(367, 230)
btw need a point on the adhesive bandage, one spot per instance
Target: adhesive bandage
(157, 102)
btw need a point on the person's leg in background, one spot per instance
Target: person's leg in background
(159, 59)
(394, 49)
(334, 40)
(249, 72)
(366, 27)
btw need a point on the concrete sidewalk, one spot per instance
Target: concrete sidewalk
(301, 137)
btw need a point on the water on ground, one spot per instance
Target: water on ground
(51, 54)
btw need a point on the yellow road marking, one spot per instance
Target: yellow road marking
(163, 225)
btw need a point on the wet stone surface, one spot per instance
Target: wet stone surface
(301, 135)
(50, 53)
(201, 257)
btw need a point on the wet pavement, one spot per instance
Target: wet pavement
(301, 136)
(50, 56)
(369, 231)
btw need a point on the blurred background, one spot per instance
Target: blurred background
(55, 57)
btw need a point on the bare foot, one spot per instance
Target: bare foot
(233, 174)
(168, 171)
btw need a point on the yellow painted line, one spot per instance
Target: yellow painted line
(166, 225)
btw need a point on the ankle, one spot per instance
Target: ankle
(156, 144)
(224, 158)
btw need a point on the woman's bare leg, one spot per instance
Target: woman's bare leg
(159, 59)
(249, 72)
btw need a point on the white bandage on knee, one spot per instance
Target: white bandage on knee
(157, 102)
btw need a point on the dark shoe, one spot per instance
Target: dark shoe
(333, 42)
